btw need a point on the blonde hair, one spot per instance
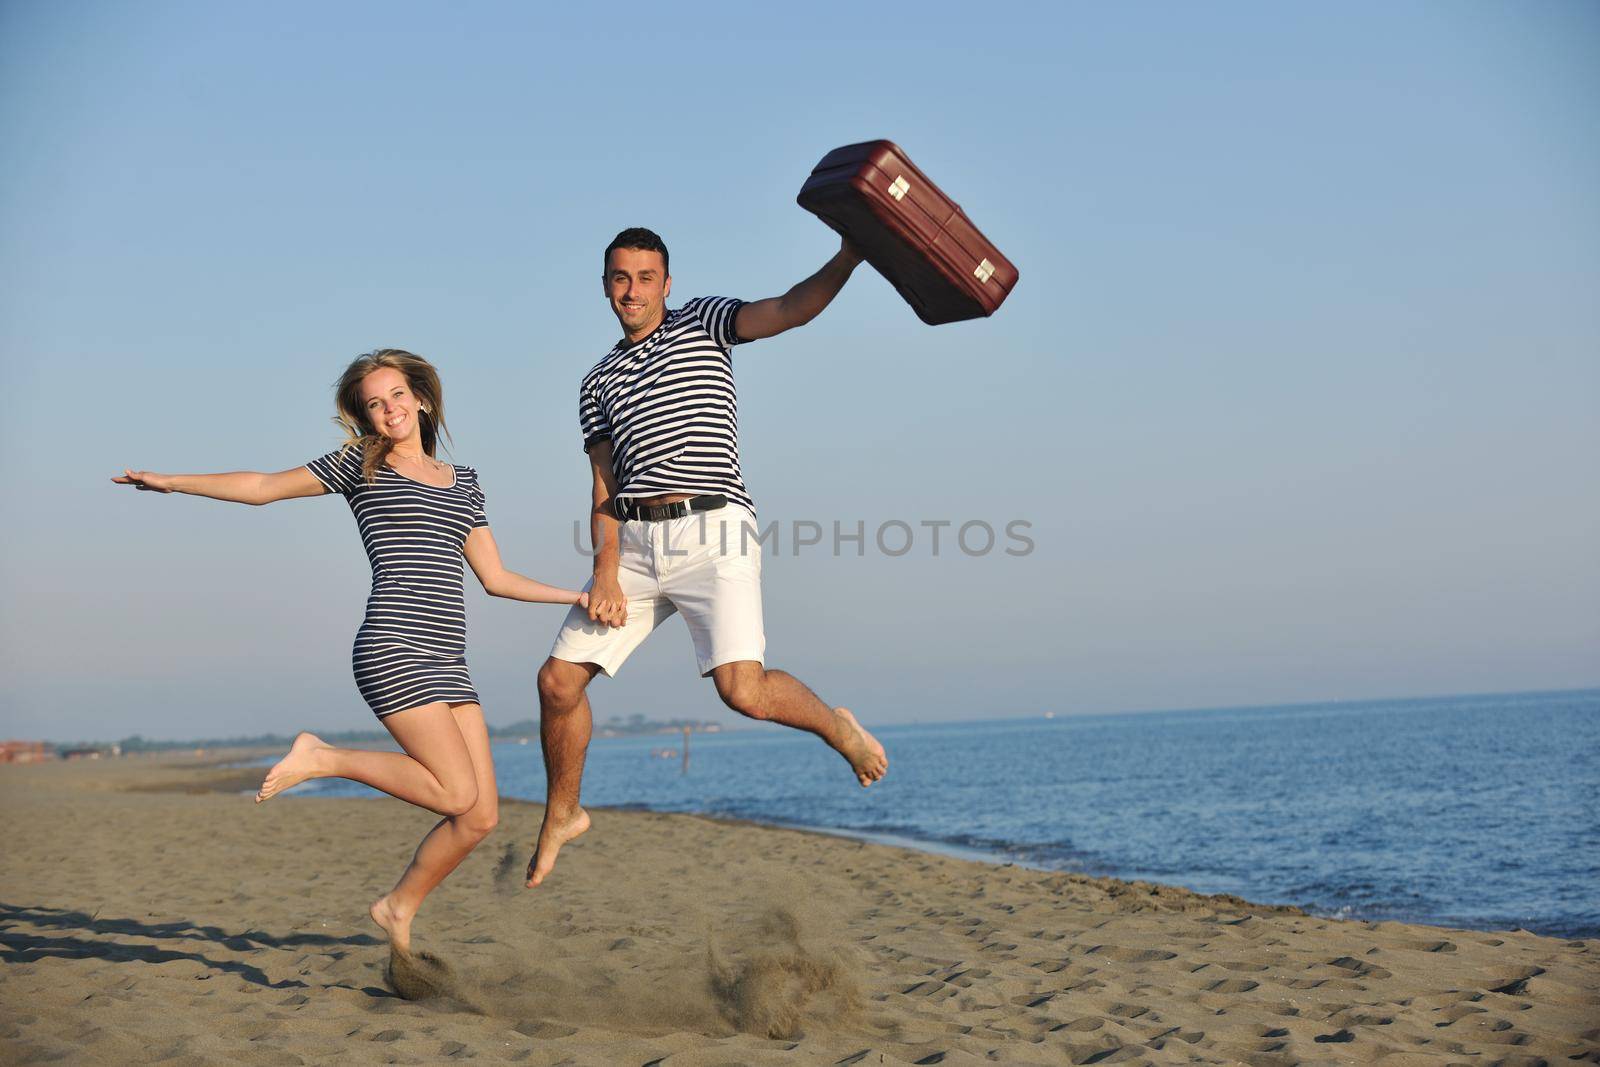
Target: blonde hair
(354, 421)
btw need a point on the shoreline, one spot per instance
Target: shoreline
(248, 777)
(146, 916)
(995, 857)
(1000, 859)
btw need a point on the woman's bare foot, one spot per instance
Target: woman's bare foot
(395, 921)
(296, 767)
(866, 756)
(552, 835)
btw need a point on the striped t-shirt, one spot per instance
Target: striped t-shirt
(668, 406)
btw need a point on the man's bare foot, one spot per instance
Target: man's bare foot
(552, 835)
(296, 767)
(866, 756)
(395, 921)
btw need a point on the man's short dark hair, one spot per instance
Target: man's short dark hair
(638, 239)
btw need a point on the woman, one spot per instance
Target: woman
(418, 518)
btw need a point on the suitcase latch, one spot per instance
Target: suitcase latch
(983, 271)
(898, 187)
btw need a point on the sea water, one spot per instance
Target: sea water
(1475, 811)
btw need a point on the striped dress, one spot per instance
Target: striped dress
(411, 649)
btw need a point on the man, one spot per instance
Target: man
(671, 521)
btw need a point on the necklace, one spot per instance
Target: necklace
(426, 462)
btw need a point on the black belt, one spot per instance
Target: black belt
(626, 509)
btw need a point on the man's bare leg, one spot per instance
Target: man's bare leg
(777, 696)
(565, 725)
(448, 843)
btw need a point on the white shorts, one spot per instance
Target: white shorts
(706, 565)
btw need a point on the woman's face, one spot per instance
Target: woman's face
(392, 409)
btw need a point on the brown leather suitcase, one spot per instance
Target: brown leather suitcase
(916, 237)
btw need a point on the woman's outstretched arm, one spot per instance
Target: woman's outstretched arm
(240, 487)
(484, 557)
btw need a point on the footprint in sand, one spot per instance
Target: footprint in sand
(930, 989)
(1086, 1025)
(1233, 985)
(1355, 966)
(1129, 955)
(1322, 983)
(1458, 1012)
(1517, 986)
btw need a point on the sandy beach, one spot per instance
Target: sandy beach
(151, 913)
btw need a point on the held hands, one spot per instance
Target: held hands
(146, 481)
(606, 603)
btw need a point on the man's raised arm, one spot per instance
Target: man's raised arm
(801, 304)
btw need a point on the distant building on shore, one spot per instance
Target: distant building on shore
(92, 751)
(24, 752)
(637, 725)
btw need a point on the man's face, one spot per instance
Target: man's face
(637, 286)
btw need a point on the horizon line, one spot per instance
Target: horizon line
(1027, 717)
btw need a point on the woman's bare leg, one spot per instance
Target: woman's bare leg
(435, 772)
(449, 842)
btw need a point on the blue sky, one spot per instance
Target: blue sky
(1298, 390)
